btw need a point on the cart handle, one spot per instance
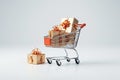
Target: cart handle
(81, 25)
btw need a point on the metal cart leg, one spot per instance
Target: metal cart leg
(67, 58)
(76, 58)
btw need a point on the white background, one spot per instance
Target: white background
(24, 23)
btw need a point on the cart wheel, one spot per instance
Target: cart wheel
(68, 59)
(77, 60)
(49, 61)
(58, 62)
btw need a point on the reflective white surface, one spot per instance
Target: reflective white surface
(97, 63)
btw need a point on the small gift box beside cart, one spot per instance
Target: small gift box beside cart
(36, 57)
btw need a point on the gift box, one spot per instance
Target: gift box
(52, 42)
(59, 40)
(36, 57)
(47, 40)
(71, 41)
(69, 24)
(53, 33)
(61, 35)
(62, 40)
(29, 58)
(55, 41)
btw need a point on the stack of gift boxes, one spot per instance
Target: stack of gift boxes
(59, 35)
(36, 57)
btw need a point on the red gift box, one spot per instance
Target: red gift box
(47, 41)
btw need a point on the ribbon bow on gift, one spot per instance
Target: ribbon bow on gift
(65, 24)
(56, 28)
(36, 51)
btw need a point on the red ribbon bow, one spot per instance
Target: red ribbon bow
(65, 24)
(36, 51)
(55, 28)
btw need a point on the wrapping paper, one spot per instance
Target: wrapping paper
(72, 24)
(61, 40)
(60, 35)
(36, 57)
(53, 33)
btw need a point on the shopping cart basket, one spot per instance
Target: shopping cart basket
(71, 46)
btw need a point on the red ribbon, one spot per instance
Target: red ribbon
(36, 51)
(65, 24)
(55, 28)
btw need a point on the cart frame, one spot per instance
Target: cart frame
(72, 47)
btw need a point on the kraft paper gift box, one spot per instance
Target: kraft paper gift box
(71, 41)
(55, 45)
(58, 44)
(53, 33)
(58, 41)
(55, 41)
(68, 39)
(36, 57)
(29, 58)
(42, 58)
(69, 35)
(72, 26)
(61, 41)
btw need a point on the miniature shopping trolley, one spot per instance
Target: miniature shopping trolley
(65, 41)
